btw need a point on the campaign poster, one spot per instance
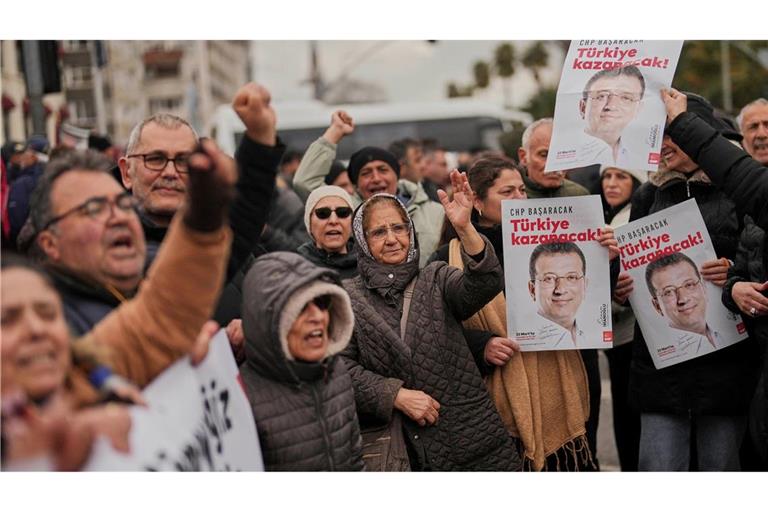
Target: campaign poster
(608, 109)
(557, 278)
(197, 419)
(681, 315)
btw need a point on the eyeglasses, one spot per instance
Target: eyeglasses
(99, 208)
(625, 98)
(397, 229)
(323, 302)
(669, 293)
(158, 161)
(550, 280)
(342, 212)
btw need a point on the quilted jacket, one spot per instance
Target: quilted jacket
(304, 412)
(433, 358)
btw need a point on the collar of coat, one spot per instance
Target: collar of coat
(664, 176)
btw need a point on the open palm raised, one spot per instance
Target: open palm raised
(459, 210)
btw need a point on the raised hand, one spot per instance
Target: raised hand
(252, 105)
(459, 210)
(675, 102)
(341, 126)
(212, 179)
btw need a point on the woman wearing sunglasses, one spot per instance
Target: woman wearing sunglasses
(328, 217)
(296, 318)
(413, 374)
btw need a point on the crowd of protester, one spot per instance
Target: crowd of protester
(364, 300)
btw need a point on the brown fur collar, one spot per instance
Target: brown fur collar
(662, 177)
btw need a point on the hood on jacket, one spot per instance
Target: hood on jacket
(275, 291)
(359, 232)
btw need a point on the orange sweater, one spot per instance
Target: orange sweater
(159, 325)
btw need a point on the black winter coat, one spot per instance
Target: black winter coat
(344, 264)
(433, 358)
(720, 383)
(305, 412)
(745, 180)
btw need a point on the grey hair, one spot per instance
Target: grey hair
(740, 117)
(165, 120)
(40, 201)
(532, 128)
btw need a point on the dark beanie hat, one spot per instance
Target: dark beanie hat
(704, 109)
(368, 154)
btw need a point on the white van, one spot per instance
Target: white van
(458, 124)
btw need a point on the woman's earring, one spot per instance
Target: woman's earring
(480, 212)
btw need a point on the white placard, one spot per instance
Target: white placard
(681, 315)
(198, 419)
(557, 275)
(609, 109)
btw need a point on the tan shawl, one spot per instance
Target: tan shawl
(542, 397)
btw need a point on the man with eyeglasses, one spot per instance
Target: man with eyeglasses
(678, 294)
(610, 101)
(558, 284)
(155, 170)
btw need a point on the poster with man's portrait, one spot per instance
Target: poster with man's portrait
(609, 109)
(557, 281)
(680, 313)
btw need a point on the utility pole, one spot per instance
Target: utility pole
(725, 68)
(33, 72)
(98, 59)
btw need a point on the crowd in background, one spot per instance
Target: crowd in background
(364, 300)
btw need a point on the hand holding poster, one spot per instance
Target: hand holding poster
(556, 272)
(609, 109)
(680, 313)
(197, 419)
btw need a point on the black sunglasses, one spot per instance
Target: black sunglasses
(342, 212)
(323, 302)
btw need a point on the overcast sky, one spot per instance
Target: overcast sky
(406, 70)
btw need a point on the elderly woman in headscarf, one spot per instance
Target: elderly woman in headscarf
(408, 358)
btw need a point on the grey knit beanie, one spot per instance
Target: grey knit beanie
(317, 195)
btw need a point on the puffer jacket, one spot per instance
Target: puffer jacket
(305, 412)
(720, 383)
(433, 357)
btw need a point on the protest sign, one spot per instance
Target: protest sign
(198, 419)
(681, 315)
(609, 109)
(557, 276)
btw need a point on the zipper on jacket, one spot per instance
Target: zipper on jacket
(688, 188)
(323, 428)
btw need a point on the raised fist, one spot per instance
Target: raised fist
(341, 125)
(252, 105)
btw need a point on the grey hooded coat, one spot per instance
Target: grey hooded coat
(305, 412)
